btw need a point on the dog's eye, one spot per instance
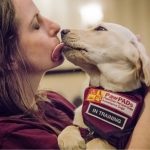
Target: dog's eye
(100, 28)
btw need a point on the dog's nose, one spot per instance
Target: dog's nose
(64, 32)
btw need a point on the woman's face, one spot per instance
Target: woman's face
(38, 39)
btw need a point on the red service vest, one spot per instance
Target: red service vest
(112, 116)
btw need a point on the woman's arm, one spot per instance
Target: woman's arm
(141, 135)
(29, 138)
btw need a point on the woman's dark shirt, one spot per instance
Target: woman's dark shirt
(25, 132)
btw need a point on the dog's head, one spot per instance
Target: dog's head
(110, 50)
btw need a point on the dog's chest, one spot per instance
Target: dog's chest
(112, 116)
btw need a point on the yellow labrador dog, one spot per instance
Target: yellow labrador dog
(115, 60)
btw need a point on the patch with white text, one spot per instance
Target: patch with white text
(106, 115)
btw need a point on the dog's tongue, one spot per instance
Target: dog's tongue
(57, 52)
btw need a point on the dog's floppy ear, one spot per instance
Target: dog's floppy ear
(145, 62)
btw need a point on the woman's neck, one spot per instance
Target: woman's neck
(31, 84)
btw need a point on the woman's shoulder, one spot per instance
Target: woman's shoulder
(55, 105)
(56, 99)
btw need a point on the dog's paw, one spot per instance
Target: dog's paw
(70, 139)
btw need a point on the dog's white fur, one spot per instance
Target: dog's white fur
(114, 58)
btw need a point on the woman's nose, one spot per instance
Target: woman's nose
(52, 27)
(55, 28)
(64, 32)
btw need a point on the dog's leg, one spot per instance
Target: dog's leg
(70, 138)
(78, 118)
(97, 144)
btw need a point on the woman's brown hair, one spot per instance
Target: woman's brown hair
(12, 94)
(10, 91)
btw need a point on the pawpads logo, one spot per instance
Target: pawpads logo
(115, 101)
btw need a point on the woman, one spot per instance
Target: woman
(29, 46)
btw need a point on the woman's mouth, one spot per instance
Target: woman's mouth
(57, 52)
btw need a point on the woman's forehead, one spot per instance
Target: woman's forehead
(25, 10)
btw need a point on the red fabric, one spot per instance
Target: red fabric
(25, 132)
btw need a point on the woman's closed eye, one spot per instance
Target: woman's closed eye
(36, 23)
(36, 26)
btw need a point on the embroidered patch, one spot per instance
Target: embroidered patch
(112, 100)
(106, 115)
